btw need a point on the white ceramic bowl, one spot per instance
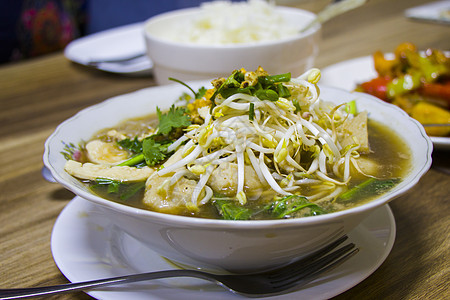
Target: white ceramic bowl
(236, 246)
(189, 61)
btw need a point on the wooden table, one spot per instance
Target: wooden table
(38, 94)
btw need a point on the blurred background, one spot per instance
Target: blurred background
(31, 28)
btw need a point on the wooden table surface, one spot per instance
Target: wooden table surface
(36, 95)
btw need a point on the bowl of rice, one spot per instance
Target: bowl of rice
(209, 40)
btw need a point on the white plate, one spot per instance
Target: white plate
(438, 12)
(120, 42)
(86, 245)
(349, 73)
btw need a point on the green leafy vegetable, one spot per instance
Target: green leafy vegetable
(230, 210)
(293, 206)
(133, 145)
(372, 186)
(153, 151)
(174, 118)
(113, 185)
(123, 190)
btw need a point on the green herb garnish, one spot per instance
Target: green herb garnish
(292, 206)
(231, 210)
(123, 190)
(174, 118)
(267, 87)
(371, 186)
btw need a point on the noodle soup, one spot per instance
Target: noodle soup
(255, 146)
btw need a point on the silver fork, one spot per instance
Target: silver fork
(282, 280)
(120, 60)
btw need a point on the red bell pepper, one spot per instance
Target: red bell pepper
(436, 90)
(377, 87)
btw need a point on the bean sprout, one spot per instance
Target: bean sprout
(277, 141)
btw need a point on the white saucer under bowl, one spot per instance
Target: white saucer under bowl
(86, 245)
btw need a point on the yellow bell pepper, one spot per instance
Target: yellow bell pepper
(427, 113)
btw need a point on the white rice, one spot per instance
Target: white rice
(226, 22)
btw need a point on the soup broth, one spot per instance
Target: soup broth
(388, 152)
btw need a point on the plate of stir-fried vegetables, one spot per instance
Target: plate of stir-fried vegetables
(416, 81)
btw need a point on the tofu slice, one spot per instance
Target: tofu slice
(355, 132)
(92, 171)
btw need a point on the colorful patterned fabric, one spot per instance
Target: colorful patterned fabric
(38, 27)
(34, 27)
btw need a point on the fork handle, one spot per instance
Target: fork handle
(22, 293)
(119, 60)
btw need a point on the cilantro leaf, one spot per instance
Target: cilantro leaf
(153, 152)
(153, 149)
(201, 92)
(174, 118)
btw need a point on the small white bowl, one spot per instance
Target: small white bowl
(189, 61)
(236, 246)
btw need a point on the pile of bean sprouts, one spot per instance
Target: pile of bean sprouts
(272, 142)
